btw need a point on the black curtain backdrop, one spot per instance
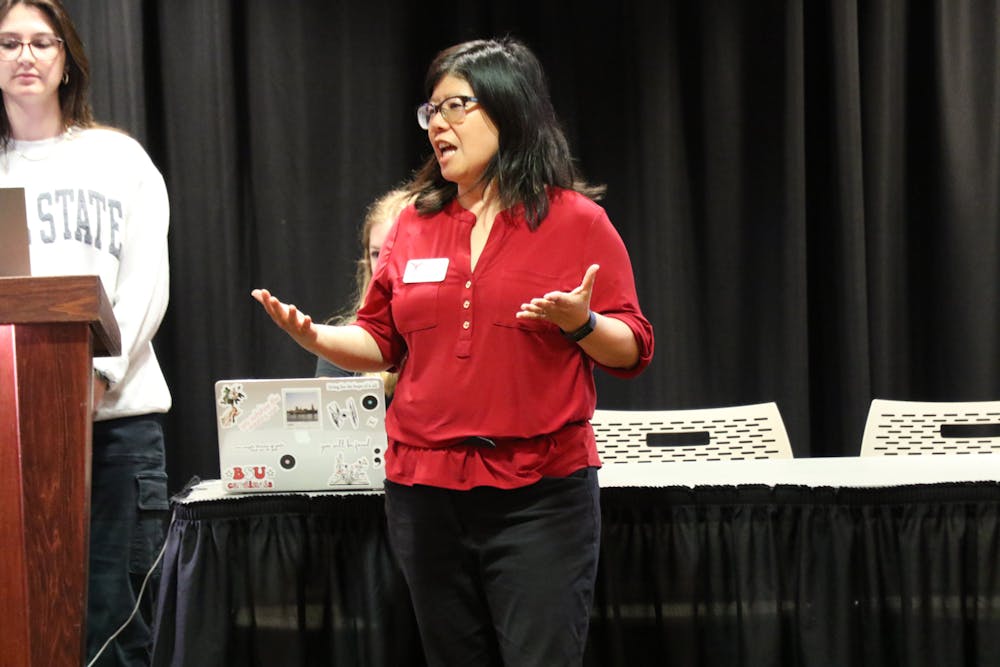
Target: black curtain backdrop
(808, 190)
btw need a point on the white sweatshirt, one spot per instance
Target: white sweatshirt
(97, 205)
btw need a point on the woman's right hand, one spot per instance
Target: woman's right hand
(296, 324)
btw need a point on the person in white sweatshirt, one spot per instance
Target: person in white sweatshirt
(96, 205)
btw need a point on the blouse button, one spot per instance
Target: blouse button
(468, 284)
(466, 303)
(465, 325)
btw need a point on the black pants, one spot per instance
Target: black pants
(500, 577)
(128, 513)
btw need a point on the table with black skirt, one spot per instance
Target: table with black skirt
(813, 562)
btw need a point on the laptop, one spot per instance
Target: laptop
(15, 257)
(301, 434)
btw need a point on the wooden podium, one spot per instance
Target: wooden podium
(49, 330)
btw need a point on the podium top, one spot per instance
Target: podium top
(51, 299)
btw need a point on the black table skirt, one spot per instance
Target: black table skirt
(723, 576)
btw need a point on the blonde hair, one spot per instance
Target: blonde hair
(385, 208)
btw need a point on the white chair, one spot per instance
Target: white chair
(911, 428)
(740, 432)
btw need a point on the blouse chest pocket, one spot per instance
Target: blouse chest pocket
(415, 306)
(519, 286)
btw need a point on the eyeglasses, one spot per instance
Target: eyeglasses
(43, 47)
(452, 110)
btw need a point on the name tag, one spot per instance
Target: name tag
(431, 270)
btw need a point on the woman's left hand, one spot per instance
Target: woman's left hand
(567, 310)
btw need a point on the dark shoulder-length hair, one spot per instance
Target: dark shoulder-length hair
(511, 87)
(74, 102)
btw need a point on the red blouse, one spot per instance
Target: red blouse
(469, 368)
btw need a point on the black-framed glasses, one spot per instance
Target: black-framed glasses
(452, 110)
(43, 47)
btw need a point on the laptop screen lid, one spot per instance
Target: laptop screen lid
(15, 256)
(301, 434)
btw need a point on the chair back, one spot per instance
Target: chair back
(912, 428)
(711, 434)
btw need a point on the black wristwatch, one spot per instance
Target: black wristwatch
(584, 331)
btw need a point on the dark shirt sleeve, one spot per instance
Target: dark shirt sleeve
(325, 369)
